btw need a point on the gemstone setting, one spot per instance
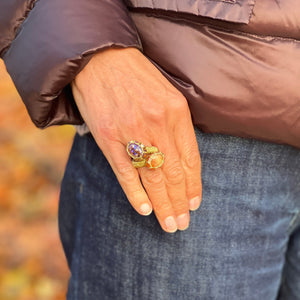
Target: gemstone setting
(155, 160)
(135, 150)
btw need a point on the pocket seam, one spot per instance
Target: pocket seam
(235, 11)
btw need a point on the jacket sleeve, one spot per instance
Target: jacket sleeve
(45, 44)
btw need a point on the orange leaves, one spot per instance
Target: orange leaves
(32, 263)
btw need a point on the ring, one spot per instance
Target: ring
(144, 156)
(137, 150)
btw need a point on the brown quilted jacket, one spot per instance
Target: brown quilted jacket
(236, 61)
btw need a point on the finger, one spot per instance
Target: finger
(191, 163)
(154, 184)
(128, 177)
(174, 176)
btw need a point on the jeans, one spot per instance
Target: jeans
(243, 242)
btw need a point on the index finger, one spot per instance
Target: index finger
(128, 177)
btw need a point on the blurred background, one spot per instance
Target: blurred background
(32, 262)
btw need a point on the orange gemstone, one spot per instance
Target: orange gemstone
(155, 160)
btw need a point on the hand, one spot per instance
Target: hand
(122, 96)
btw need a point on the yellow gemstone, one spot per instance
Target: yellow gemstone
(155, 160)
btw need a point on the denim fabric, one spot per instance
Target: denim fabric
(243, 243)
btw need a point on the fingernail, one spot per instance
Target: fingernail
(183, 221)
(195, 203)
(171, 224)
(146, 209)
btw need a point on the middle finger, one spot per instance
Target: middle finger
(166, 190)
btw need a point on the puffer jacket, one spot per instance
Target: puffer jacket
(236, 61)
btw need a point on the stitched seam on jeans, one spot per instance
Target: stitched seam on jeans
(294, 222)
(76, 255)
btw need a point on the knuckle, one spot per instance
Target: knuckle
(136, 194)
(156, 113)
(194, 186)
(181, 206)
(174, 174)
(126, 172)
(179, 104)
(192, 157)
(162, 208)
(153, 178)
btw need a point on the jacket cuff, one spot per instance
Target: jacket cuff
(53, 45)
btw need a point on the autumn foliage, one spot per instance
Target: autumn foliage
(32, 263)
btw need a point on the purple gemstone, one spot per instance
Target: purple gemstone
(135, 150)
